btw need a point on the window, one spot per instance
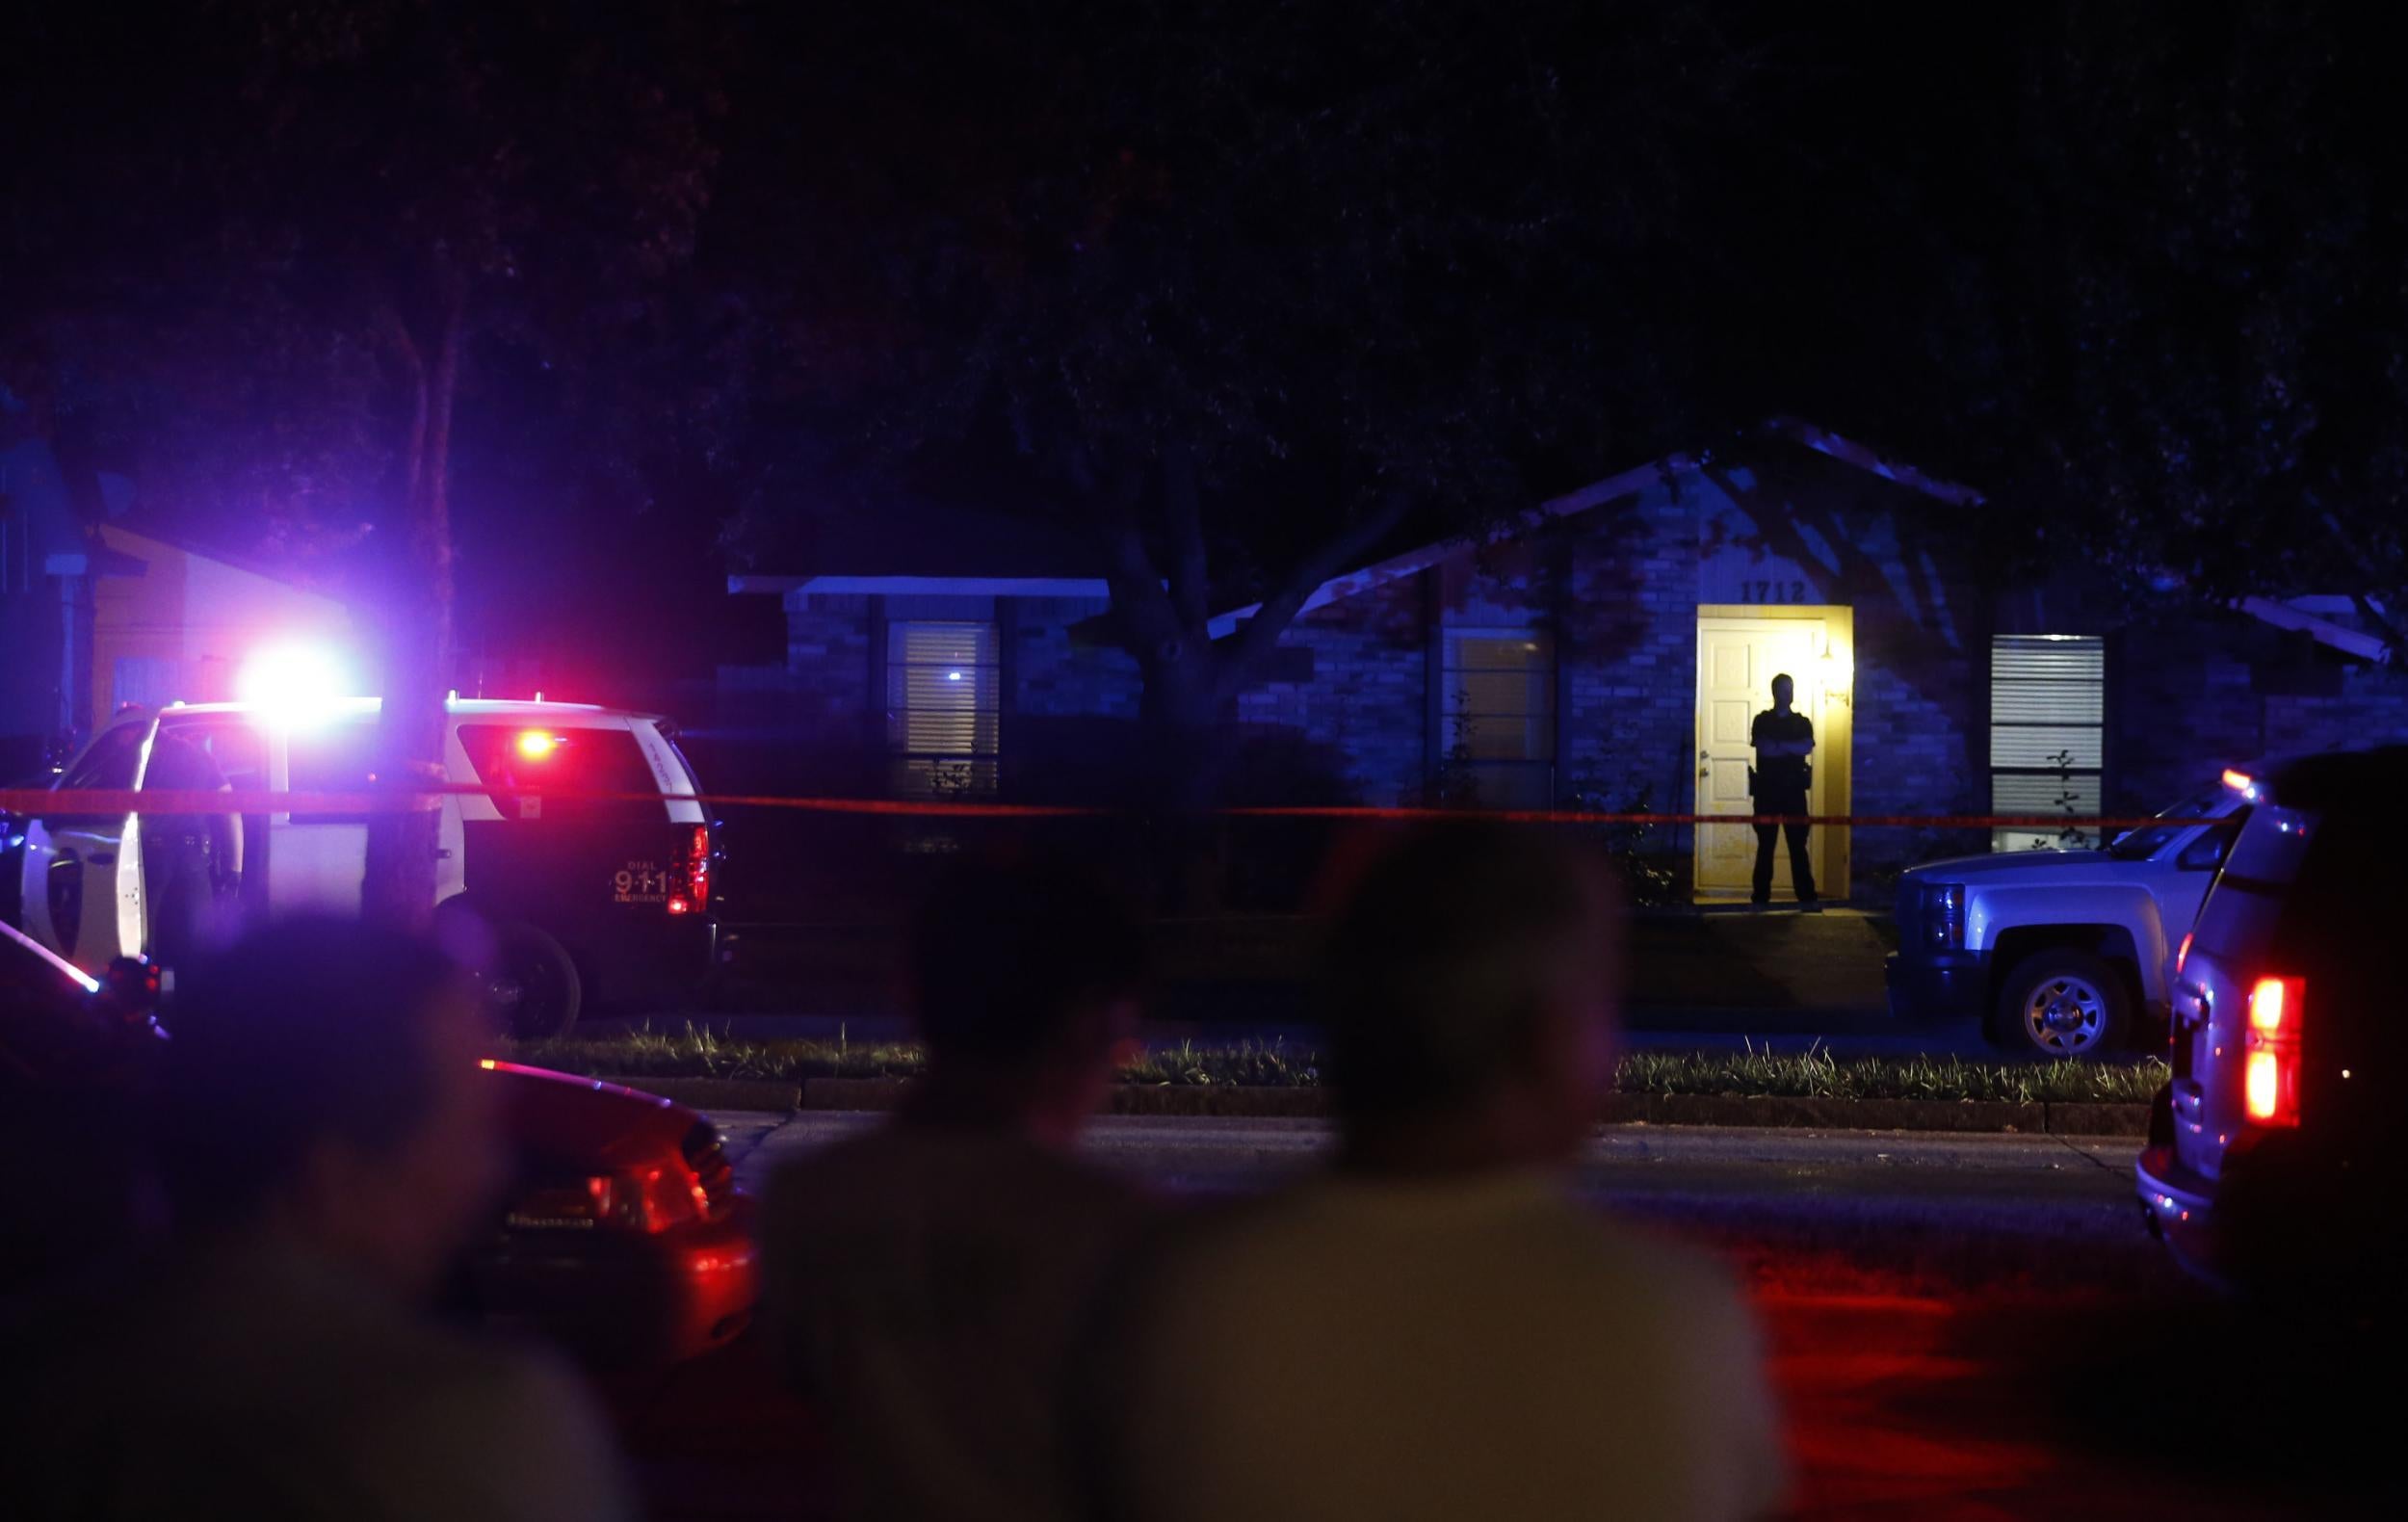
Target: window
(533, 756)
(2048, 735)
(205, 757)
(1498, 734)
(108, 765)
(944, 708)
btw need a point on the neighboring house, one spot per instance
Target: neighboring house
(1613, 651)
(37, 521)
(97, 617)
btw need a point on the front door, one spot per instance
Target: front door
(1736, 659)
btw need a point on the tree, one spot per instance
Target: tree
(2228, 387)
(2140, 278)
(1241, 290)
(318, 219)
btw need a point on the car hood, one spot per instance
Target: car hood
(2067, 866)
(563, 1121)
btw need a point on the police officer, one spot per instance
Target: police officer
(1784, 738)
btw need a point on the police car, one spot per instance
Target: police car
(585, 899)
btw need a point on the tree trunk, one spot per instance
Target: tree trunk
(1186, 751)
(400, 883)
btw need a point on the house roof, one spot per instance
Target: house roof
(1614, 488)
(922, 548)
(2298, 613)
(168, 538)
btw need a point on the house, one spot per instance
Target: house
(1610, 652)
(93, 617)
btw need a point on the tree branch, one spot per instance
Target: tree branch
(2391, 631)
(2393, 635)
(1256, 637)
(396, 334)
(1147, 618)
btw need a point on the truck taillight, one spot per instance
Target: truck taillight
(689, 890)
(2270, 1079)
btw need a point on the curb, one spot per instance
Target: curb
(1263, 1103)
(716, 1094)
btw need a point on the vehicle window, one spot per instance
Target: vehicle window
(688, 778)
(517, 759)
(2239, 919)
(205, 757)
(2150, 839)
(2207, 852)
(238, 750)
(336, 758)
(110, 762)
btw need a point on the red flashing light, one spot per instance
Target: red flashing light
(2270, 1081)
(536, 745)
(694, 894)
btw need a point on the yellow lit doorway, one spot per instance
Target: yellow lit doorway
(1740, 649)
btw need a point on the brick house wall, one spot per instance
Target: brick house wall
(1357, 727)
(1350, 708)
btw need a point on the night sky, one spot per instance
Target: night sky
(719, 270)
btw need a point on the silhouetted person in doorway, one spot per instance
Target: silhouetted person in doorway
(1783, 740)
(926, 1281)
(1438, 1326)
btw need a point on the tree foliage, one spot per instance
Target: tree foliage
(274, 278)
(1238, 289)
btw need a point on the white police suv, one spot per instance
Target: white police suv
(587, 899)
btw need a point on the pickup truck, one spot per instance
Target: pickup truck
(2062, 953)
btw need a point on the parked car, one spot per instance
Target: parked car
(585, 901)
(623, 1236)
(74, 1063)
(2060, 952)
(626, 1239)
(2275, 1152)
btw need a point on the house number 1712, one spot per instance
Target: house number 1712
(1773, 591)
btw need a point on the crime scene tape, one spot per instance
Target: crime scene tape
(38, 803)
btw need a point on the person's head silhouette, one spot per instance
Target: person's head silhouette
(1473, 984)
(323, 1092)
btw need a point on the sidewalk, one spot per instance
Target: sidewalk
(1256, 971)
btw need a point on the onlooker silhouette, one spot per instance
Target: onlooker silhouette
(327, 1144)
(1435, 1327)
(926, 1281)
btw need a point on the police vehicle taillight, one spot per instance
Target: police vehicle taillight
(692, 892)
(2271, 1080)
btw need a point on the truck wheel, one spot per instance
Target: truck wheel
(534, 982)
(2062, 1003)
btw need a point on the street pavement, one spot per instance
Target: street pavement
(2052, 1177)
(1959, 1327)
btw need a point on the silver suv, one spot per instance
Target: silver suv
(2275, 1153)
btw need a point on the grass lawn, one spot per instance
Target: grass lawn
(697, 1053)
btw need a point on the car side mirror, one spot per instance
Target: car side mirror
(2204, 854)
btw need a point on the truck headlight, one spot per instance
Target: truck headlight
(1944, 917)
